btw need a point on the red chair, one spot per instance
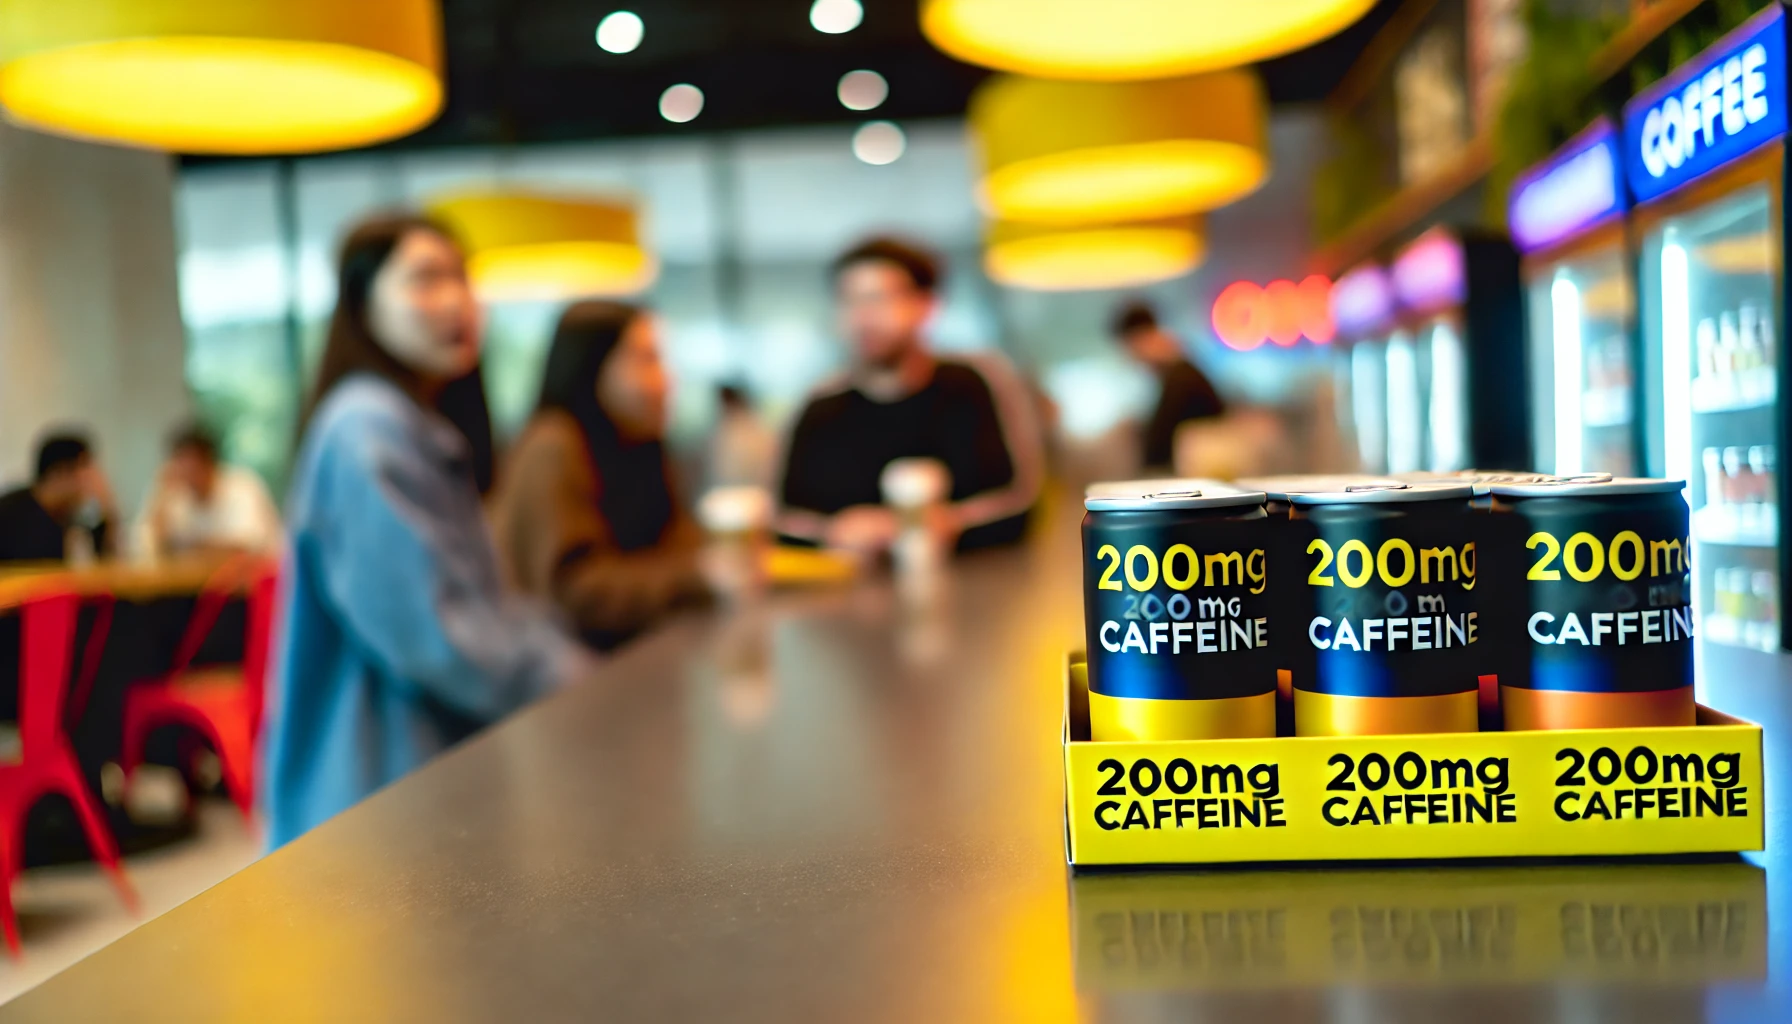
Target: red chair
(46, 757)
(222, 704)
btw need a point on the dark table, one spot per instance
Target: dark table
(834, 807)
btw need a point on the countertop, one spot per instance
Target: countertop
(844, 805)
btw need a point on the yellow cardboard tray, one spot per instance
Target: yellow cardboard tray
(1634, 923)
(1485, 794)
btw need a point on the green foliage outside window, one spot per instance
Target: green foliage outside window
(1552, 95)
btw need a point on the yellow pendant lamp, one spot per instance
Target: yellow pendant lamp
(222, 76)
(1117, 40)
(524, 246)
(1095, 257)
(1094, 152)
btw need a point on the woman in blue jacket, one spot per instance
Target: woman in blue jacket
(396, 639)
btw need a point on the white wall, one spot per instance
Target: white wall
(90, 328)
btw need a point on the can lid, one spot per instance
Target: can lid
(1585, 484)
(1282, 487)
(1485, 482)
(1102, 488)
(1384, 493)
(1149, 495)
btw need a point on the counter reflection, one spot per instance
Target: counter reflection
(1657, 925)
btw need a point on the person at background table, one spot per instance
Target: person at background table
(199, 505)
(396, 636)
(584, 514)
(1185, 392)
(66, 512)
(743, 449)
(898, 400)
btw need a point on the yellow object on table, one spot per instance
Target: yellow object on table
(788, 565)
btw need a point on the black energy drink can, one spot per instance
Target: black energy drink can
(1176, 604)
(1288, 548)
(1602, 570)
(1393, 614)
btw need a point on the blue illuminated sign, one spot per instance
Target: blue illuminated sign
(1720, 105)
(1579, 186)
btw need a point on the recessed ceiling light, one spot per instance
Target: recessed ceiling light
(620, 31)
(836, 16)
(863, 90)
(878, 143)
(681, 103)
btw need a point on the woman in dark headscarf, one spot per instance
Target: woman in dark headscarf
(583, 513)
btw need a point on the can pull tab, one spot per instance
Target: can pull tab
(1584, 478)
(1361, 488)
(1196, 493)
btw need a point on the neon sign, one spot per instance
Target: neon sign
(1578, 187)
(1720, 105)
(1362, 301)
(1245, 314)
(1431, 273)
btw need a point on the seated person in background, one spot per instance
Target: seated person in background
(583, 512)
(899, 401)
(199, 505)
(69, 496)
(1186, 392)
(743, 450)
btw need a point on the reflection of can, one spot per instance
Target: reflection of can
(1176, 601)
(1392, 612)
(1606, 615)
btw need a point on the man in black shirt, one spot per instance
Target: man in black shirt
(899, 401)
(35, 520)
(1186, 392)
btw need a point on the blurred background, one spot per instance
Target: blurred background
(740, 206)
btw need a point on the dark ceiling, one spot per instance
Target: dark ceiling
(531, 71)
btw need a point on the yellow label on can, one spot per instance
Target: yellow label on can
(1138, 718)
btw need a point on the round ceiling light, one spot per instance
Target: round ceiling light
(1108, 41)
(862, 90)
(620, 32)
(879, 143)
(528, 247)
(836, 16)
(1089, 258)
(245, 77)
(1093, 152)
(681, 103)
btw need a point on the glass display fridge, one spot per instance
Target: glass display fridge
(1704, 157)
(1362, 306)
(1566, 216)
(1456, 393)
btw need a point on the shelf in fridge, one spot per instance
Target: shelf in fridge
(1733, 632)
(1755, 524)
(1734, 392)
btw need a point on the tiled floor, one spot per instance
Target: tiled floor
(68, 911)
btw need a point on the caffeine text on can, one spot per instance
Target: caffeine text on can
(1176, 603)
(1393, 611)
(1289, 605)
(1606, 623)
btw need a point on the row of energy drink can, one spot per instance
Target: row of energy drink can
(1378, 605)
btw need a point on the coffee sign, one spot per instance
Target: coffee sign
(1720, 105)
